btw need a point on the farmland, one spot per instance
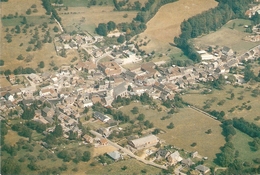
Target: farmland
(226, 36)
(242, 96)
(186, 121)
(165, 25)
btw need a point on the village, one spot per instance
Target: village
(92, 81)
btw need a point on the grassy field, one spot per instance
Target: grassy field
(84, 3)
(21, 41)
(12, 137)
(190, 126)
(240, 142)
(165, 25)
(199, 100)
(226, 36)
(20, 6)
(4, 82)
(83, 18)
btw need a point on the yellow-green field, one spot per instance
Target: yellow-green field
(190, 126)
(83, 18)
(165, 25)
(240, 141)
(226, 36)
(198, 99)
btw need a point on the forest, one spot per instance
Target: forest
(210, 20)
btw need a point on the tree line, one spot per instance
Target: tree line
(50, 10)
(207, 21)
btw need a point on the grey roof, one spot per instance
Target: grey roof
(100, 116)
(120, 89)
(114, 155)
(141, 141)
(202, 168)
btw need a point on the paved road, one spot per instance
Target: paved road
(128, 152)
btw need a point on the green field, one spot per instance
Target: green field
(190, 126)
(84, 3)
(36, 20)
(226, 36)
(240, 141)
(242, 96)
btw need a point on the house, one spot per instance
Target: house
(88, 139)
(110, 68)
(101, 117)
(115, 155)
(103, 141)
(187, 162)
(144, 142)
(162, 153)
(203, 169)
(47, 112)
(227, 51)
(174, 158)
(120, 90)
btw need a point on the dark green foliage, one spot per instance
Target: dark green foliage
(250, 129)
(2, 62)
(170, 126)
(41, 64)
(121, 39)
(22, 130)
(135, 110)
(39, 127)
(10, 166)
(55, 29)
(111, 25)
(86, 156)
(28, 113)
(141, 117)
(217, 114)
(21, 70)
(57, 131)
(28, 12)
(102, 29)
(227, 155)
(20, 57)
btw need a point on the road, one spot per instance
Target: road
(128, 152)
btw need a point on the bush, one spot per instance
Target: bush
(2, 62)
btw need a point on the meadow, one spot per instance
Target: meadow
(227, 36)
(242, 95)
(190, 127)
(83, 18)
(165, 25)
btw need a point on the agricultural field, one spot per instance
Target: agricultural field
(190, 127)
(242, 96)
(83, 18)
(165, 25)
(227, 36)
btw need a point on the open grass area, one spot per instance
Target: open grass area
(21, 6)
(165, 25)
(242, 95)
(12, 137)
(226, 36)
(83, 18)
(4, 82)
(85, 3)
(240, 141)
(133, 167)
(190, 126)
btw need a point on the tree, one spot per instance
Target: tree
(232, 96)
(170, 126)
(111, 25)
(24, 20)
(141, 117)
(10, 166)
(2, 62)
(102, 29)
(28, 113)
(135, 110)
(38, 44)
(17, 29)
(86, 156)
(156, 131)
(57, 131)
(55, 29)
(41, 64)
(29, 11)
(20, 57)
(121, 39)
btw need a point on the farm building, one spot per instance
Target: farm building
(144, 142)
(100, 116)
(115, 155)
